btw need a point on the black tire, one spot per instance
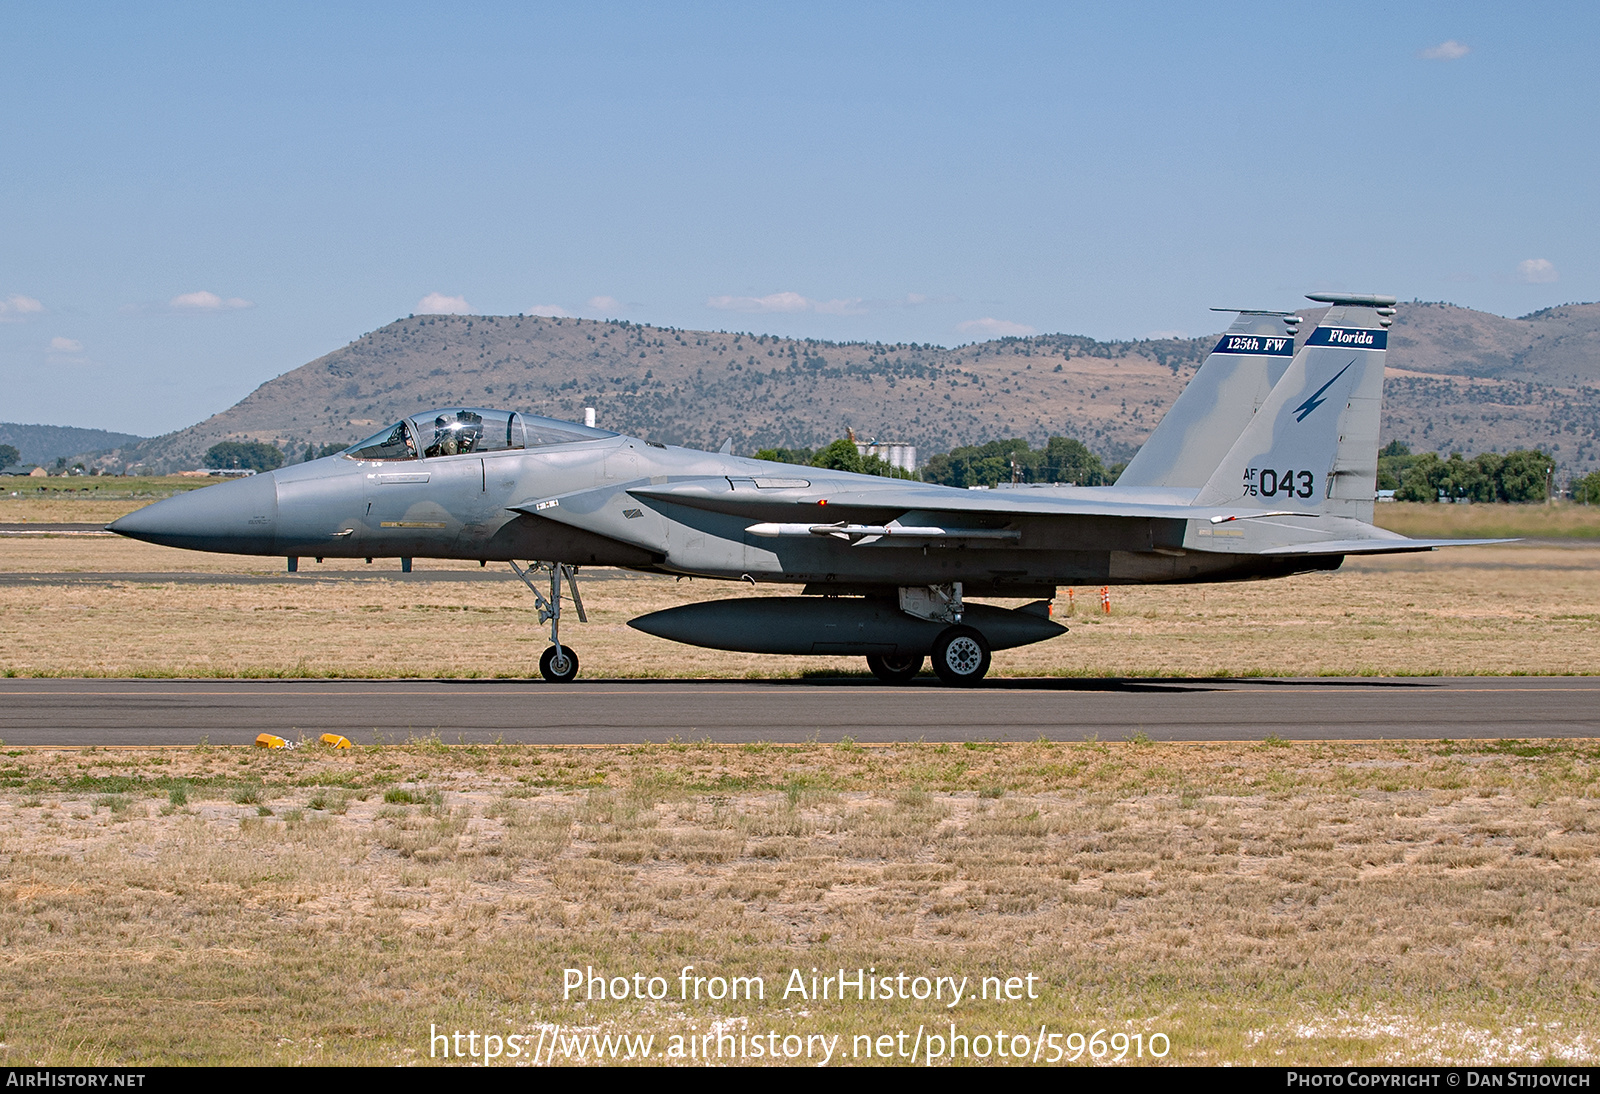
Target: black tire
(895, 670)
(960, 656)
(563, 671)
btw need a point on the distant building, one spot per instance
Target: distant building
(894, 453)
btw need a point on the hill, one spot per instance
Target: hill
(1459, 379)
(46, 443)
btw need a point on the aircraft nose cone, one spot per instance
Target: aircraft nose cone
(236, 517)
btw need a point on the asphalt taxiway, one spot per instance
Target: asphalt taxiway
(185, 712)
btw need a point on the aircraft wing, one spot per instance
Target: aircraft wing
(898, 495)
(898, 509)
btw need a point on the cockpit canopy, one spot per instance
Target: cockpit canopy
(456, 431)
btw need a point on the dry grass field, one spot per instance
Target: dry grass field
(1267, 903)
(86, 499)
(1492, 610)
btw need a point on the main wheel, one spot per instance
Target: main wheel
(559, 665)
(895, 670)
(960, 656)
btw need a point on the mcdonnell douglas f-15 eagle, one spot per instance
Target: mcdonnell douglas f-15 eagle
(1264, 467)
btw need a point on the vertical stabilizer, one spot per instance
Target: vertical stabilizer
(1231, 385)
(1313, 446)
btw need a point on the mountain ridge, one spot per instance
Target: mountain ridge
(1458, 380)
(42, 444)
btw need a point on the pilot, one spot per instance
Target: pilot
(444, 438)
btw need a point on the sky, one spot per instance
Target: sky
(195, 198)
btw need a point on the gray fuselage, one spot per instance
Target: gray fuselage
(571, 502)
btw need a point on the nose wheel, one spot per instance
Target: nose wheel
(559, 664)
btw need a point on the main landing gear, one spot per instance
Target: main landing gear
(960, 659)
(559, 665)
(895, 670)
(960, 653)
(960, 656)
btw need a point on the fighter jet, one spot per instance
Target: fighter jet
(1264, 467)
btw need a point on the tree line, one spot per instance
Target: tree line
(1061, 460)
(1521, 476)
(260, 455)
(841, 455)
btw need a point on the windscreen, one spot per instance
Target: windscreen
(394, 443)
(456, 431)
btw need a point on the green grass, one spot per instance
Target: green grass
(1562, 520)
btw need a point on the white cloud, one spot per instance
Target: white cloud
(994, 328)
(206, 301)
(549, 311)
(1450, 50)
(66, 345)
(794, 302)
(776, 302)
(437, 303)
(14, 307)
(1537, 271)
(606, 305)
(788, 302)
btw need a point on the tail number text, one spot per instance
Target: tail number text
(1265, 482)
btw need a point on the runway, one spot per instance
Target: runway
(185, 712)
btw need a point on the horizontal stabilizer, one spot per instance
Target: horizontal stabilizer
(1377, 546)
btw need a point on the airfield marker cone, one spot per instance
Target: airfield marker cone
(269, 740)
(334, 740)
(1071, 603)
(1105, 599)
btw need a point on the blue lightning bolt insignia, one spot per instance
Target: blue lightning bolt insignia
(1316, 399)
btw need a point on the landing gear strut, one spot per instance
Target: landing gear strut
(960, 653)
(559, 665)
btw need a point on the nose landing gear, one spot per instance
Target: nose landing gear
(559, 665)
